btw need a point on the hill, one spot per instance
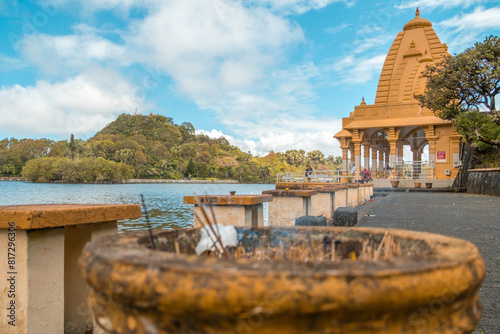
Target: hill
(152, 146)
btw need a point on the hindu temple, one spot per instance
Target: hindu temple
(374, 136)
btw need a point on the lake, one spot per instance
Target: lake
(163, 201)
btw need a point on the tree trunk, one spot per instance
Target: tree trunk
(467, 155)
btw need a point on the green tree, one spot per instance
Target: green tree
(316, 157)
(463, 88)
(295, 157)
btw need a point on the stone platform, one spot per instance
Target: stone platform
(471, 217)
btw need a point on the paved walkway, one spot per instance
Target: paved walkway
(471, 217)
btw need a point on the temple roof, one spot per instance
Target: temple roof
(417, 22)
(392, 122)
(412, 50)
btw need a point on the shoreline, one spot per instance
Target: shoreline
(180, 181)
(134, 181)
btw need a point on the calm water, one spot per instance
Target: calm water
(164, 201)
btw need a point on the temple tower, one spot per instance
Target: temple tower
(397, 120)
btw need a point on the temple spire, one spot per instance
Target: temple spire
(417, 12)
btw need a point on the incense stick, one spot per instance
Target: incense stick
(147, 221)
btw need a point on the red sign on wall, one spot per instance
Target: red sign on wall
(441, 156)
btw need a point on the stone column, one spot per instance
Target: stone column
(393, 152)
(366, 155)
(374, 165)
(387, 157)
(400, 146)
(381, 167)
(416, 163)
(345, 156)
(357, 155)
(455, 149)
(431, 138)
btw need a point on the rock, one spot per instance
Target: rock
(345, 217)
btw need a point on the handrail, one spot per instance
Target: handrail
(412, 170)
(398, 170)
(333, 176)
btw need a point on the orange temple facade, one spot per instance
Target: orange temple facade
(374, 136)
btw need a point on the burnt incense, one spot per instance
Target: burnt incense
(147, 221)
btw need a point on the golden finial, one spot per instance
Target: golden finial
(417, 12)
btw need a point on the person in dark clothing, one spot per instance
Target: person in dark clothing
(308, 172)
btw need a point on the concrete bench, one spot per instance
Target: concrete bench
(287, 205)
(43, 244)
(237, 210)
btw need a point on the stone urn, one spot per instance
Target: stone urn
(285, 280)
(394, 183)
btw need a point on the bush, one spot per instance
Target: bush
(84, 170)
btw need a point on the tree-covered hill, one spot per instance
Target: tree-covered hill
(150, 146)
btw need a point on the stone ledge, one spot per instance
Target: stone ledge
(38, 216)
(330, 189)
(228, 199)
(496, 169)
(290, 193)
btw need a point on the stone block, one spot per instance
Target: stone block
(345, 217)
(311, 221)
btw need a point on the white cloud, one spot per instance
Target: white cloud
(229, 48)
(431, 4)
(463, 30)
(300, 6)
(61, 55)
(91, 6)
(10, 64)
(222, 55)
(337, 29)
(79, 105)
(294, 133)
(479, 19)
(352, 70)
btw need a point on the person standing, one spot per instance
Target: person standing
(309, 171)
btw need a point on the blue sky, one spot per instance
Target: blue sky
(267, 74)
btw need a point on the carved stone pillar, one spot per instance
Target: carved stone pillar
(381, 167)
(374, 165)
(393, 152)
(345, 156)
(400, 146)
(366, 155)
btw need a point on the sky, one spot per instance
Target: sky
(265, 74)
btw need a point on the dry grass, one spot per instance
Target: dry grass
(305, 251)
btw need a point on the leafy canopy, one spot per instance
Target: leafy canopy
(463, 89)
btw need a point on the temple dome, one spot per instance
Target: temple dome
(417, 22)
(413, 48)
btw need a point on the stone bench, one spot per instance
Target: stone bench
(43, 243)
(287, 205)
(237, 210)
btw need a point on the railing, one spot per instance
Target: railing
(399, 170)
(334, 176)
(411, 170)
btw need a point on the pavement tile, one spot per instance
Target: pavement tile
(475, 218)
